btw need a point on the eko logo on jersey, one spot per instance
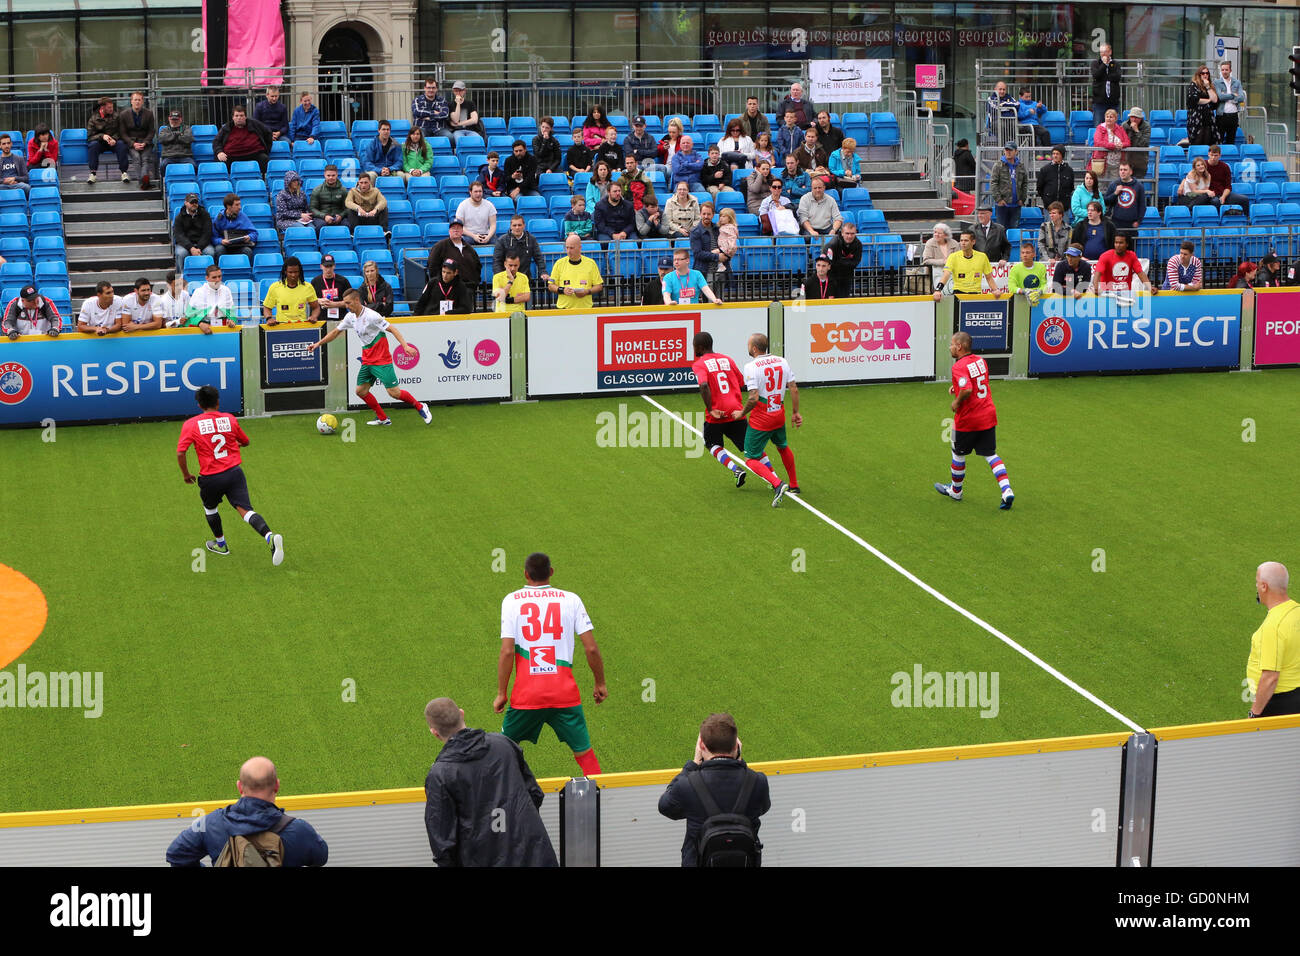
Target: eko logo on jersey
(1053, 335)
(645, 350)
(541, 659)
(847, 336)
(15, 383)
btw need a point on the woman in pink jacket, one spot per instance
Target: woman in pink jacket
(1111, 141)
(593, 128)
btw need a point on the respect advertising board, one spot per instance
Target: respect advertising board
(861, 341)
(1277, 327)
(445, 360)
(633, 349)
(286, 359)
(1155, 333)
(84, 378)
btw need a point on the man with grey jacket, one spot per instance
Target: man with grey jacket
(1231, 99)
(176, 140)
(1009, 186)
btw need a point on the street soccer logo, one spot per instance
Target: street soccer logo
(1053, 335)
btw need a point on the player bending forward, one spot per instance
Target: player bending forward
(372, 330)
(538, 624)
(974, 422)
(766, 379)
(720, 385)
(217, 438)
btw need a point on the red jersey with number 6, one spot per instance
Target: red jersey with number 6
(216, 437)
(977, 413)
(543, 623)
(725, 386)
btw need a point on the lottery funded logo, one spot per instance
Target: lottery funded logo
(1053, 335)
(15, 383)
(406, 357)
(487, 352)
(645, 351)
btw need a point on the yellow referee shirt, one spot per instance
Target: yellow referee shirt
(966, 273)
(1276, 647)
(582, 274)
(290, 304)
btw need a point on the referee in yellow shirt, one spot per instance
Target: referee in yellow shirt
(965, 269)
(1273, 670)
(576, 278)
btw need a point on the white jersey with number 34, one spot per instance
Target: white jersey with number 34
(543, 623)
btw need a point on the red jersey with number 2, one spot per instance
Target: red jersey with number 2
(977, 412)
(216, 437)
(725, 386)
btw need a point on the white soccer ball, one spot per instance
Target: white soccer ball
(326, 424)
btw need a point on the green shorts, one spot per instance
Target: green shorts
(756, 440)
(377, 373)
(567, 722)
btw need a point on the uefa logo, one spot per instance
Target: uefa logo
(1053, 335)
(406, 357)
(15, 383)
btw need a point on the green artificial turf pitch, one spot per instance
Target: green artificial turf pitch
(389, 582)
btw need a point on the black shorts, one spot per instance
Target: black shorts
(1287, 702)
(983, 442)
(228, 484)
(715, 431)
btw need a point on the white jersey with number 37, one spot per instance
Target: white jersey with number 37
(768, 375)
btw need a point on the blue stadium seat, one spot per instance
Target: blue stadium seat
(48, 248)
(453, 189)
(251, 190)
(444, 165)
(1168, 179)
(621, 124)
(305, 150)
(280, 149)
(1159, 137)
(1226, 243)
(732, 199)
(382, 258)
(1178, 216)
(1161, 119)
(471, 161)
(1081, 125)
(400, 210)
(1178, 134)
(884, 129)
(421, 187)
(544, 230)
(17, 273)
(339, 150)
(470, 143)
(1145, 247)
(180, 171)
(203, 152)
(1263, 214)
(335, 238)
(1290, 191)
(870, 221)
(347, 262)
(299, 239)
(1256, 243)
(1273, 172)
(261, 215)
(1031, 217)
(707, 124)
(856, 198)
(44, 198)
(434, 232)
(234, 266)
(889, 252)
(493, 125)
(505, 207)
(1194, 151)
(204, 132)
(551, 185)
(502, 143)
(1231, 153)
(242, 169)
(214, 191)
(430, 210)
(1172, 154)
(212, 172)
(275, 170)
(1254, 151)
(522, 127)
(62, 299)
(332, 129)
(791, 254)
(532, 207)
(1288, 214)
(1167, 243)
(73, 145)
(310, 263)
(45, 223)
(1203, 216)
(391, 186)
(16, 249)
(194, 267)
(747, 224)
(51, 272)
(266, 265)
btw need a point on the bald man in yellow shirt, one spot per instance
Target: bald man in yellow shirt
(1273, 669)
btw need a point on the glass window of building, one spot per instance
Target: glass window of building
(603, 35)
(471, 35)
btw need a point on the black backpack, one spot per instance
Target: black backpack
(726, 839)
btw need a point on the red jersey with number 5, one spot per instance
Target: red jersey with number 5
(725, 386)
(216, 437)
(977, 413)
(543, 623)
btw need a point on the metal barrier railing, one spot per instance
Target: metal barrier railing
(1066, 85)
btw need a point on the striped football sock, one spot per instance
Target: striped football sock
(1000, 473)
(958, 474)
(717, 452)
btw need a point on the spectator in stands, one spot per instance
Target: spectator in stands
(176, 140)
(1231, 99)
(669, 144)
(211, 304)
(735, 148)
(1111, 141)
(519, 242)
(1027, 277)
(728, 240)
(329, 200)
(330, 287)
(382, 155)
(844, 165)
(1195, 189)
(704, 244)
(291, 205)
(758, 186)
(28, 313)
(1053, 234)
(1029, 116)
(510, 285)
(429, 112)
(575, 278)
(764, 150)
(650, 220)
(939, 246)
(615, 217)
(192, 231)
(686, 165)
(254, 813)
(1271, 274)
(1001, 110)
(790, 138)
(232, 231)
(577, 221)
(376, 293)
(775, 212)
(1105, 84)
(963, 166)
(636, 182)
(520, 172)
(640, 145)
(273, 114)
(817, 284)
(715, 175)
(243, 138)
(304, 126)
(1184, 272)
(417, 157)
(578, 158)
(724, 775)
(141, 311)
(366, 205)
(752, 121)
(1055, 180)
(818, 212)
(1072, 276)
(810, 155)
(137, 128)
(990, 237)
(463, 118)
(609, 150)
(682, 212)
(1201, 101)
(1138, 131)
(478, 215)
(546, 148)
(292, 299)
(1087, 191)
(803, 111)
(1093, 234)
(43, 148)
(829, 137)
(103, 134)
(492, 176)
(845, 254)
(1127, 200)
(1009, 186)
(1117, 268)
(448, 294)
(101, 314)
(594, 126)
(1247, 277)
(13, 167)
(684, 285)
(796, 182)
(452, 247)
(652, 290)
(1221, 181)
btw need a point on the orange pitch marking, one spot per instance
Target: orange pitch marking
(22, 610)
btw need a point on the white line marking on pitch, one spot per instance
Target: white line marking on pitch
(931, 591)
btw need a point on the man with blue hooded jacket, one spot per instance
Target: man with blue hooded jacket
(383, 154)
(255, 812)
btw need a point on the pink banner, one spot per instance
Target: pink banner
(256, 39)
(1277, 327)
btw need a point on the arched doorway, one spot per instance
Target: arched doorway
(344, 52)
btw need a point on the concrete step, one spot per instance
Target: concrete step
(97, 232)
(113, 212)
(145, 255)
(107, 189)
(929, 206)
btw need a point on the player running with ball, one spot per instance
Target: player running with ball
(974, 421)
(767, 378)
(372, 330)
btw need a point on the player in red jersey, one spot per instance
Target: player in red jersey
(721, 387)
(217, 438)
(974, 420)
(1117, 267)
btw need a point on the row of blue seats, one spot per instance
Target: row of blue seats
(1229, 154)
(60, 295)
(42, 223)
(38, 198)
(40, 249)
(17, 272)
